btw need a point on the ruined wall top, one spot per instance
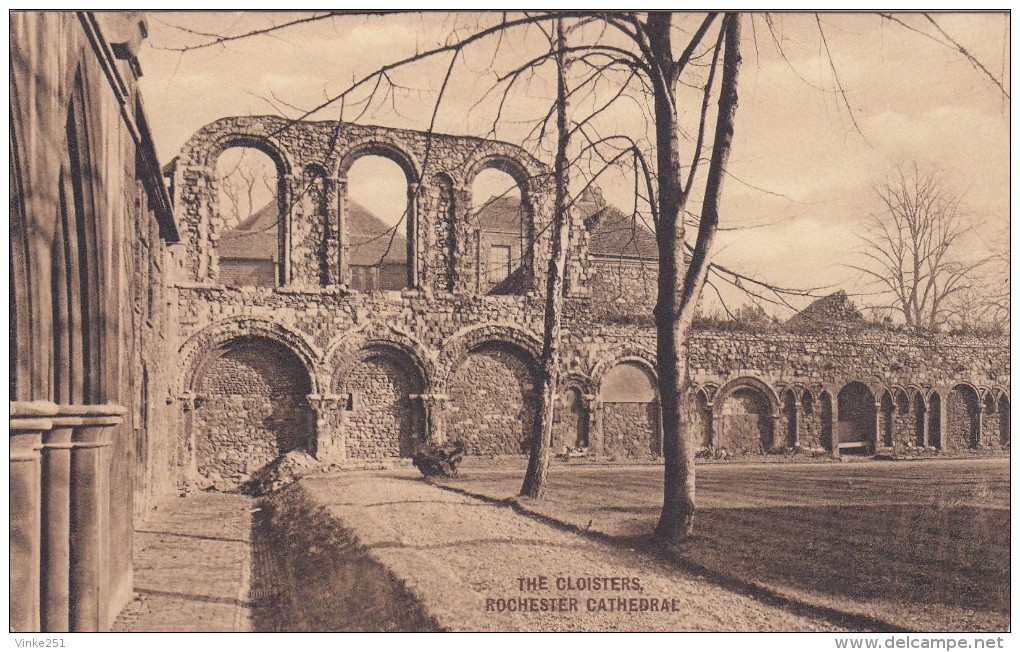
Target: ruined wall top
(331, 147)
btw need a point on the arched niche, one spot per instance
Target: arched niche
(631, 420)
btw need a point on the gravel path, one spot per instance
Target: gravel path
(460, 556)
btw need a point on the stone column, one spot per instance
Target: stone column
(343, 238)
(797, 407)
(330, 418)
(777, 431)
(415, 275)
(593, 408)
(287, 183)
(29, 420)
(90, 510)
(56, 525)
(710, 423)
(980, 424)
(834, 426)
(878, 427)
(433, 413)
(925, 420)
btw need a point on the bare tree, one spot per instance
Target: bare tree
(643, 61)
(911, 247)
(538, 462)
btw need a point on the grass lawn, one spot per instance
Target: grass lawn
(919, 545)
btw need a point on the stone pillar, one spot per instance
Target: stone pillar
(56, 525)
(90, 511)
(287, 183)
(979, 438)
(924, 425)
(878, 427)
(330, 419)
(710, 423)
(415, 275)
(343, 238)
(434, 415)
(29, 420)
(463, 237)
(834, 426)
(797, 407)
(593, 408)
(777, 431)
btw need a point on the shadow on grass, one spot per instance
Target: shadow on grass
(925, 555)
(310, 574)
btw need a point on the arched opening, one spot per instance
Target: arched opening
(493, 398)
(888, 416)
(630, 411)
(856, 418)
(920, 438)
(502, 217)
(825, 410)
(1003, 406)
(379, 220)
(935, 420)
(251, 246)
(790, 417)
(963, 417)
(250, 408)
(382, 418)
(747, 421)
(570, 427)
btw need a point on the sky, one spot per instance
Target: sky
(802, 171)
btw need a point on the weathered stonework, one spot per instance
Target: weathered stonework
(441, 360)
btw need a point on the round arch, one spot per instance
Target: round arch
(206, 342)
(345, 352)
(376, 146)
(265, 144)
(629, 354)
(463, 342)
(516, 168)
(749, 382)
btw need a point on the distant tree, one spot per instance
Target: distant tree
(911, 246)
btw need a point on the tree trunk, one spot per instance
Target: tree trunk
(538, 463)
(679, 291)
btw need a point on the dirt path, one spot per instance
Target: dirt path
(459, 557)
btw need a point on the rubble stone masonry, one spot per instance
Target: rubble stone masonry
(386, 371)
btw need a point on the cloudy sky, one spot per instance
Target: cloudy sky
(801, 170)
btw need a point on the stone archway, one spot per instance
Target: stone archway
(963, 420)
(630, 410)
(493, 399)
(570, 423)
(250, 408)
(746, 423)
(856, 427)
(379, 392)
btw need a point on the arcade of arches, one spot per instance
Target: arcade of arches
(378, 334)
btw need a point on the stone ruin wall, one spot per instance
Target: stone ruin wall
(386, 371)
